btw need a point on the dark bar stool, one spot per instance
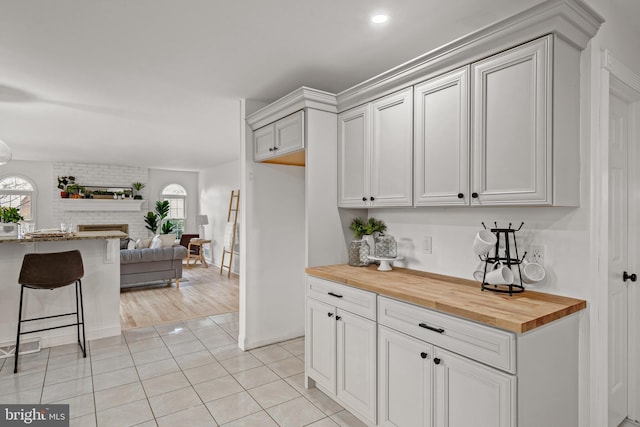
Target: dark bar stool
(51, 271)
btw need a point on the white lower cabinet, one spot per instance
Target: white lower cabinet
(467, 393)
(341, 347)
(392, 363)
(405, 382)
(420, 385)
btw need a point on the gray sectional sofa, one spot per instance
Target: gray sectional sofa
(138, 266)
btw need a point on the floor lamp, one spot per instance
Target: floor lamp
(201, 221)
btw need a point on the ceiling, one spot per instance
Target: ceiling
(157, 83)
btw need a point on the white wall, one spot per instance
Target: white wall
(160, 178)
(215, 186)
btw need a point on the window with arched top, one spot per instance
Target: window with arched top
(177, 197)
(19, 192)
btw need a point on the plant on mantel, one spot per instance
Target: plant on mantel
(63, 183)
(138, 186)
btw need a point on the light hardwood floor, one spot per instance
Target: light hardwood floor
(203, 292)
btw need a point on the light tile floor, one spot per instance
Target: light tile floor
(188, 373)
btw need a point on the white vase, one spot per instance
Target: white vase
(371, 242)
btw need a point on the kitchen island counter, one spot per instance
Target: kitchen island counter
(100, 286)
(517, 313)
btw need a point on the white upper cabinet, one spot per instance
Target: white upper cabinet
(354, 136)
(282, 137)
(375, 153)
(511, 126)
(441, 147)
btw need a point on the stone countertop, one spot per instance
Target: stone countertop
(80, 235)
(464, 298)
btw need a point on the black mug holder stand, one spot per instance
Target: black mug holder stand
(510, 259)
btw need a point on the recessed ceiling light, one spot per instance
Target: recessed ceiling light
(379, 19)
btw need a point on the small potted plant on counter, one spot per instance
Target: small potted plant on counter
(364, 243)
(9, 219)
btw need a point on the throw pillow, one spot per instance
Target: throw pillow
(124, 242)
(155, 242)
(143, 243)
(132, 244)
(167, 240)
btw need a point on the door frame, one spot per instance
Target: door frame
(611, 73)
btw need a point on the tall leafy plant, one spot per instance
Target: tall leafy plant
(155, 220)
(10, 215)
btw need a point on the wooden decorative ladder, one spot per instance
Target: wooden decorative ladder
(230, 241)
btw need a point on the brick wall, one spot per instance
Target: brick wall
(102, 175)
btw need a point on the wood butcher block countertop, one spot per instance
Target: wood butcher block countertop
(518, 313)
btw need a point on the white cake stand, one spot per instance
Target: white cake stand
(385, 262)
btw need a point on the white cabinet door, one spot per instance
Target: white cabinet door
(354, 134)
(289, 134)
(511, 127)
(320, 344)
(392, 150)
(468, 393)
(441, 147)
(263, 142)
(404, 380)
(356, 364)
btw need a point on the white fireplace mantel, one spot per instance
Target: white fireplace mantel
(101, 205)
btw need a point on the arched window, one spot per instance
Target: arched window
(19, 192)
(176, 195)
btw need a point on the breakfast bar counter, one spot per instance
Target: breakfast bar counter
(517, 313)
(101, 287)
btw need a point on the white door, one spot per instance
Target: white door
(510, 138)
(441, 140)
(468, 393)
(354, 136)
(404, 380)
(356, 363)
(392, 150)
(320, 344)
(263, 142)
(289, 134)
(618, 373)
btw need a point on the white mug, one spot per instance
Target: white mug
(532, 272)
(485, 241)
(500, 275)
(478, 273)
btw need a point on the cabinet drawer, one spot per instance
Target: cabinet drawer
(345, 297)
(482, 343)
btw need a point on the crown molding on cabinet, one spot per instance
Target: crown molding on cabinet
(303, 97)
(572, 20)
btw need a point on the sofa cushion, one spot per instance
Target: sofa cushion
(163, 241)
(124, 243)
(143, 243)
(152, 255)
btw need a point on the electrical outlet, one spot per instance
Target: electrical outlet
(536, 254)
(426, 245)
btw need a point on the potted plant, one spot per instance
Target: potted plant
(63, 184)
(364, 231)
(9, 218)
(138, 186)
(154, 219)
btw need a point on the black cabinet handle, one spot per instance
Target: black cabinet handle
(338, 317)
(270, 148)
(626, 276)
(431, 328)
(330, 314)
(474, 195)
(460, 196)
(424, 355)
(275, 148)
(364, 199)
(372, 198)
(334, 295)
(436, 361)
